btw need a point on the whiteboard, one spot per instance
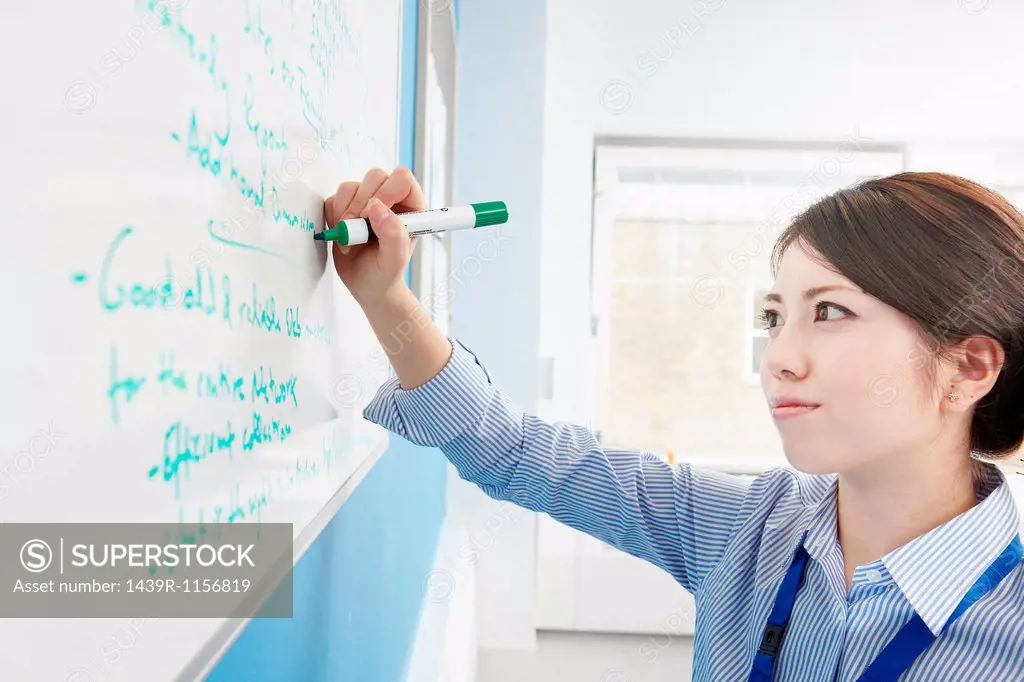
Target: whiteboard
(177, 347)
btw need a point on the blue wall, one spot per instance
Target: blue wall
(358, 590)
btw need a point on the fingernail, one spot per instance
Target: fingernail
(375, 209)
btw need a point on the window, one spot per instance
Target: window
(682, 241)
(755, 333)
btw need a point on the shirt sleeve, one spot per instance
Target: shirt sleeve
(675, 516)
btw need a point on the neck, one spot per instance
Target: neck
(880, 509)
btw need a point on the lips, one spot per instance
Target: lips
(785, 412)
(784, 407)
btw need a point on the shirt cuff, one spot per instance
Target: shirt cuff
(439, 411)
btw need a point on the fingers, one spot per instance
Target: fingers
(390, 231)
(402, 191)
(399, 190)
(341, 250)
(372, 181)
(335, 205)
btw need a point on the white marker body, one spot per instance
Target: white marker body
(439, 220)
(418, 223)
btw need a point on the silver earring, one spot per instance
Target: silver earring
(952, 396)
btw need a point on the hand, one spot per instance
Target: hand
(375, 271)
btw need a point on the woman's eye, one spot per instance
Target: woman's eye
(824, 312)
(767, 317)
(826, 306)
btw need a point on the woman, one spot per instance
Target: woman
(889, 550)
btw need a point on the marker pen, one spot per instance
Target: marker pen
(354, 231)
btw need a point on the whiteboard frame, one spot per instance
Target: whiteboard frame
(203, 663)
(206, 659)
(437, 37)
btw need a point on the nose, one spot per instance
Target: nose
(785, 356)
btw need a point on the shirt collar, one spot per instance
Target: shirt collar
(822, 534)
(922, 568)
(813, 520)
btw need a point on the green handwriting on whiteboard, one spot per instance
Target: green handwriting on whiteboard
(199, 292)
(208, 149)
(267, 140)
(185, 447)
(245, 503)
(258, 386)
(121, 388)
(166, 292)
(230, 135)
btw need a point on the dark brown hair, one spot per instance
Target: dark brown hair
(944, 251)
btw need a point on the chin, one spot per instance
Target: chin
(808, 460)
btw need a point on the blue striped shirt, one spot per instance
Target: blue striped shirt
(729, 541)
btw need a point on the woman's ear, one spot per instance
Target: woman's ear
(979, 359)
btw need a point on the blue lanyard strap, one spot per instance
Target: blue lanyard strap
(778, 619)
(912, 639)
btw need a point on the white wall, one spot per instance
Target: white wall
(539, 80)
(496, 307)
(445, 649)
(920, 72)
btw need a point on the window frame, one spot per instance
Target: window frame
(614, 200)
(751, 331)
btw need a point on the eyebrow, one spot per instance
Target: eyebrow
(812, 292)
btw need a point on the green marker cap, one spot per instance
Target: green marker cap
(490, 213)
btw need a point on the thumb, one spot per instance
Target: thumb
(390, 230)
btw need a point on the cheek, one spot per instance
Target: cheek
(880, 383)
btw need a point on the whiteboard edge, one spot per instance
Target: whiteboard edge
(209, 655)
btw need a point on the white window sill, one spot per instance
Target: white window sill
(732, 464)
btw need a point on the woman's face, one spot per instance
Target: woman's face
(858, 361)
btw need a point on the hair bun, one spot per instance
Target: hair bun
(998, 426)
